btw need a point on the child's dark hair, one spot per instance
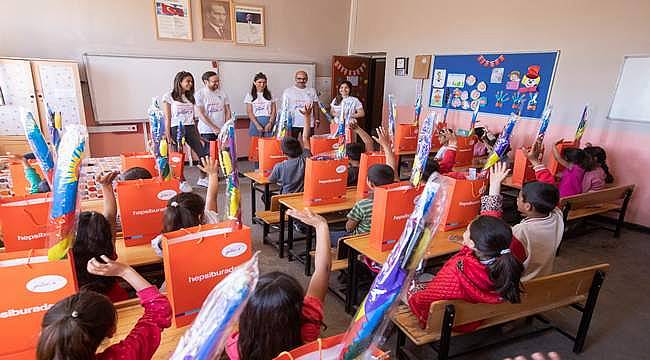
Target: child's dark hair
(94, 238)
(44, 187)
(178, 92)
(599, 156)
(354, 151)
(29, 156)
(291, 147)
(207, 75)
(135, 173)
(576, 156)
(381, 174)
(266, 93)
(75, 327)
(492, 237)
(339, 97)
(431, 167)
(183, 211)
(271, 321)
(542, 196)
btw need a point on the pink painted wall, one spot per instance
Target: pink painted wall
(593, 37)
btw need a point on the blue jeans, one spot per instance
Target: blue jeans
(335, 236)
(252, 130)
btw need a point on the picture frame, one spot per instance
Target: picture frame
(173, 19)
(401, 66)
(250, 24)
(217, 20)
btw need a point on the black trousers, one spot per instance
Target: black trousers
(192, 138)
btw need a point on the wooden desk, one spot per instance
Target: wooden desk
(440, 246)
(257, 177)
(507, 182)
(135, 256)
(128, 316)
(297, 203)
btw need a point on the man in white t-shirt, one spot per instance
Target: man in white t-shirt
(298, 96)
(213, 108)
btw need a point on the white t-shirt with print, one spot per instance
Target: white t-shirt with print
(182, 112)
(213, 104)
(337, 108)
(261, 106)
(297, 100)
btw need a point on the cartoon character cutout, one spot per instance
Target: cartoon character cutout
(514, 77)
(530, 80)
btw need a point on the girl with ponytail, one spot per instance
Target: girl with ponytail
(597, 174)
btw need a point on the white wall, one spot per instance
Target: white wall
(592, 35)
(311, 30)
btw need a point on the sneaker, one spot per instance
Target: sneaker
(186, 187)
(203, 182)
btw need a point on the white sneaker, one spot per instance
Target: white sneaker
(186, 187)
(203, 182)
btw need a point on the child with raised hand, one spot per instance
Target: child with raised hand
(483, 271)
(575, 161)
(597, 174)
(36, 183)
(279, 315)
(541, 230)
(354, 150)
(290, 173)
(76, 326)
(187, 210)
(383, 139)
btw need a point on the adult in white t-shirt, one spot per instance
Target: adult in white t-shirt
(179, 110)
(344, 96)
(299, 95)
(260, 107)
(213, 110)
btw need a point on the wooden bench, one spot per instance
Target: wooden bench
(571, 288)
(598, 202)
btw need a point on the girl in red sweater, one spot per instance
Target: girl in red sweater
(483, 271)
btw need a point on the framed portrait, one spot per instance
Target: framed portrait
(173, 19)
(250, 25)
(216, 20)
(401, 66)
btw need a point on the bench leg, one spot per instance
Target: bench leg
(265, 233)
(445, 334)
(253, 210)
(283, 225)
(400, 343)
(290, 238)
(588, 311)
(621, 214)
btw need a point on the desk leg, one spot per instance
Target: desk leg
(308, 241)
(253, 211)
(351, 292)
(283, 211)
(267, 196)
(399, 167)
(290, 238)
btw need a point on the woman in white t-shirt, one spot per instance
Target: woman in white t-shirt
(344, 95)
(260, 107)
(178, 107)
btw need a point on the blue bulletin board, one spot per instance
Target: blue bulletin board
(498, 83)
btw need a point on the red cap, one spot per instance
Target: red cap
(533, 72)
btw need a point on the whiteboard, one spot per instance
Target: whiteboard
(122, 86)
(632, 98)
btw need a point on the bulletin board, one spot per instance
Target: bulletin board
(499, 83)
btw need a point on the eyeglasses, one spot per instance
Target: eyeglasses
(301, 79)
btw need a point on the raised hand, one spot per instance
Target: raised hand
(106, 178)
(307, 217)
(209, 166)
(110, 268)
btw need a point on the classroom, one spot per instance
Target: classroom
(324, 179)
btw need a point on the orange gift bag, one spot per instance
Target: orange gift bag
(391, 207)
(31, 285)
(328, 348)
(24, 221)
(465, 150)
(464, 204)
(198, 258)
(367, 160)
(322, 144)
(253, 149)
(139, 159)
(325, 181)
(406, 137)
(177, 164)
(141, 204)
(553, 166)
(270, 153)
(19, 183)
(522, 171)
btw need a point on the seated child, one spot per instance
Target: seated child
(188, 209)
(446, 155)
(36, 184)
(486, 141)
(79, 323)
(135, 173)
(359, 218)
(597, 174)
(290, 173)
(575, 162)
(354, 150)
(96, 237)
(483, 271)
(290, 316)
(542, 228)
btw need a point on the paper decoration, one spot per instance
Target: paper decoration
(497, 76)
(60, 92)
(345, 71)
(439, 78)
(456, 80)
(17, 86)
(437, 97)
(173, 19)
(471, 80)
(490, 63)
